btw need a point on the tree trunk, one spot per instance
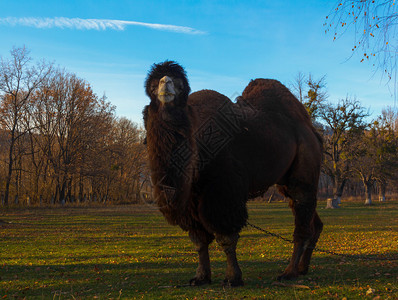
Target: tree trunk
(382, 191)
(338, 188)
(62, 192)
(368, 187)
(68, 193)
(331, 203)
(7, 191)
(81, 197)
(9, 174)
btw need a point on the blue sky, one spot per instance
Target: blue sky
(221, 44)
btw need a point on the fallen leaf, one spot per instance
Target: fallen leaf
(370, 291)
(298, 286)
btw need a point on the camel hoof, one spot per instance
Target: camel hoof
(303, 271)
(233, 283)
(287, 276)
(199, 281)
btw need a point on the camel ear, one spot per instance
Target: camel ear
(151, 86)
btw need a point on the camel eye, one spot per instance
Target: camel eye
(178, 85)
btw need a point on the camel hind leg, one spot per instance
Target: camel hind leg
(300, 184)
(316, 229)
(308, 226)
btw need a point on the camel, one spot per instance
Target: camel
(209, 155)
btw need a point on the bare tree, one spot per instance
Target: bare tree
(71, 126)
(299, 85)
(19, 79)
(364, 161)
(374, 156)
(126, 159)
(384, 145)
(390, 116)
(374, 24)
(42, 113)
(60, 141)
(311, 92)
(76, 125)
(344, 124)
(97, 164)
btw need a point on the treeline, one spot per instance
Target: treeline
(360, 153)
(60, 142)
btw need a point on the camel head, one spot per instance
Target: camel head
(167, 84)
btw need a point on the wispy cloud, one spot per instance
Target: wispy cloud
(92, 24)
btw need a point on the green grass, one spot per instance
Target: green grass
(131, 252)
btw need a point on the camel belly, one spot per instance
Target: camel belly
(265, 164)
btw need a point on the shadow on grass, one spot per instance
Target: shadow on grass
(144, 278)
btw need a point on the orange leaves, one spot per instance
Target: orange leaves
(366, 56)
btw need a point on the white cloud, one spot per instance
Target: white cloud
(92, 24)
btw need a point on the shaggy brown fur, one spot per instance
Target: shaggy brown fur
(208, 156)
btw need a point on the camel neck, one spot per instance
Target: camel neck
(171, 150)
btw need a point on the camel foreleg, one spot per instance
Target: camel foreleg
(201, 241)
(233, 276)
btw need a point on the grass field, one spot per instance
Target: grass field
(131, 252)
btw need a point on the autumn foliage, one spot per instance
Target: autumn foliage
(60, 142)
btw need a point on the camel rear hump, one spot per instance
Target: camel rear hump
(269, 95)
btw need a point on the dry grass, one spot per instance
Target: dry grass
(130, 252)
